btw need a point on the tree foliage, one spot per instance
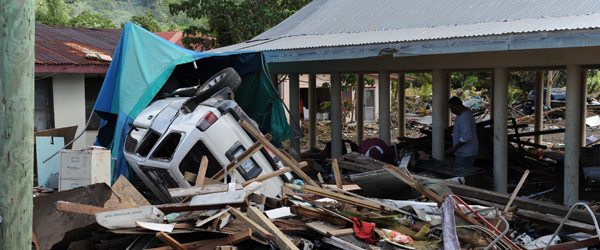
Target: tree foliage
(91, 21)
(232, 21)
(146, 22)
(52, 12)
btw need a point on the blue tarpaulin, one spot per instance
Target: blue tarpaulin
(142, 64)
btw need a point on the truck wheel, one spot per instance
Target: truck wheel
(225, 78)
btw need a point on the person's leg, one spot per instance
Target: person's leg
(465, 161)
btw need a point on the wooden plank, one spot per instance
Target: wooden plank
(573, 244)
(289, 163)
(202, 190)
(522, 203)
(267, 176)
(320, 177)
(191, 178)
(125, 196)
(290, 225)
(347, 187)
(358, 157)
(155, 226)
(202, 171)
(183, 207)
(428, 193)
(241, 158)
(318, 215)
(80, 208)
(278, 213)
(162, 236)
(341, 232)
(340, 197)
(214, 243)
(211, 218)
(257, 198)
(322, 227)
(336, 174)
(279, 238)
(253, 225)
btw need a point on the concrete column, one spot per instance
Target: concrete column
(500, 129)
(572, 135)
(312, 111)
(295, 109)
(384, 107)
(336, 115)
(539, 105)
(69, 104)
(583, 102)
(17, 26)
(360, 108)
(447, 113)
(491, 95)
(439, 108)
(401, 97)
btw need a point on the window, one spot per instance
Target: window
(167, 146)
(135, 136)
(191, 161)
(148, 143)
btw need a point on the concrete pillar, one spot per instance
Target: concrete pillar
(500, 129)
(491, 95)
(295, 109)
(16, 123)
(583, 102)
(312, 111)
(572, 135)
(384, 107)
(539, 105)
(360, 108)
(336, 115)
(447, 113)
(439, 108)
(401, 97)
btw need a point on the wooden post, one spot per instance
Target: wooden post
(202, 171)
(336, 174)
(16, 123)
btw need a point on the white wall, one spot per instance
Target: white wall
(69, 104)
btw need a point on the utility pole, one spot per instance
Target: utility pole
(17, 34)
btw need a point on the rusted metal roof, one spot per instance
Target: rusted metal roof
(56, 45)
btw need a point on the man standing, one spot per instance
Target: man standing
(464, 135)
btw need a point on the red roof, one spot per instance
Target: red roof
(56, 45)
(175, 37)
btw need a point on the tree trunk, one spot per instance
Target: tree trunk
(17, 33)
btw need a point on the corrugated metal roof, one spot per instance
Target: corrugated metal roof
(68, 45)
(330, 23)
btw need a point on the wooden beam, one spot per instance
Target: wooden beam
(191, 177)
(336, 174)
(66, 206)
(214, 243)
(522, 203)
(290, 163)
(241, 158)
(341, 244)
(183, 207)
(200, 190)
(317, 215)
(253, 225)
(267, 176)
(202, 171)
(280, 239)
(162, 236)
(340, 197)
(428, 193)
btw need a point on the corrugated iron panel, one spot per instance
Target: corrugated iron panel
(423, 33)
(356, 16)
(69, 45)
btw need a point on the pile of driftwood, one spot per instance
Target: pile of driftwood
(312, 214)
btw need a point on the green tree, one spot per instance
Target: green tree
(232, 21)
(85, 20)
(146, 22)
(52, 12)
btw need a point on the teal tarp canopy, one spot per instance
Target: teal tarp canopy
(145, 65)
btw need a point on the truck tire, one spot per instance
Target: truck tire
(227, 77)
